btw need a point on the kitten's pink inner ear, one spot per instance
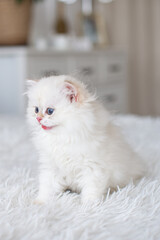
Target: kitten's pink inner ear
(71, 92)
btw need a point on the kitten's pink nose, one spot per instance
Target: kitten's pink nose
(39, 119)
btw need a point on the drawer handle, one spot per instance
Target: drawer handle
(49, 73)
(110, 98)
(87, 71)
(114, 68)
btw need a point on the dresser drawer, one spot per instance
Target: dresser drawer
(113, 98)
(120, 80)
(87, 67)
(113, 67)
(45, 66)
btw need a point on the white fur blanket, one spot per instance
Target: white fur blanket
(130, 213)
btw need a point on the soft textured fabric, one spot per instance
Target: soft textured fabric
(130, 213)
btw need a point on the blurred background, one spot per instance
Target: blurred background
(113, 46)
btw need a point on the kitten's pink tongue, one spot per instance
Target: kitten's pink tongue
(46, 128)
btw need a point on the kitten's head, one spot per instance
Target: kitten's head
(56, 101)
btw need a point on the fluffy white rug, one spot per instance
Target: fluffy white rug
(129, 213)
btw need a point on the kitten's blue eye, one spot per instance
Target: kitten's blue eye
(49, 111)
(36, 109)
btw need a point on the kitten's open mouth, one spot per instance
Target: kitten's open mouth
(47, 128)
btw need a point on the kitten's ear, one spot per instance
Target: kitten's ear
(70, 91)
(31, 83)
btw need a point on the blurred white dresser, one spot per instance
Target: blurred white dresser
(12, 75)
(105, 72)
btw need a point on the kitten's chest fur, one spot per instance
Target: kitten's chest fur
(67, 157)
(63, 148)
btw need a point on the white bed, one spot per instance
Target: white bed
(130, 213)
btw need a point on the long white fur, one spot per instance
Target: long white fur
(84, 152)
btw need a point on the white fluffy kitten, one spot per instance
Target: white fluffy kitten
(79, 147)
